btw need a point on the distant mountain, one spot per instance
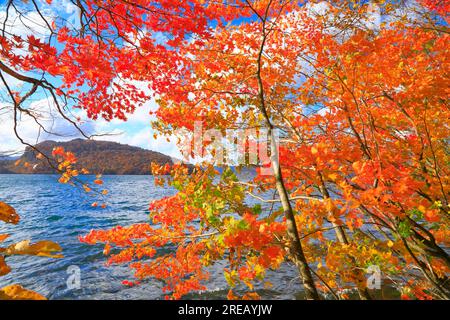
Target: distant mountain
(96, 156)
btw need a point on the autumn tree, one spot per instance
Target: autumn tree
(359, 92)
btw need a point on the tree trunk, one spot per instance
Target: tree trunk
(295, 247)
(342, 238)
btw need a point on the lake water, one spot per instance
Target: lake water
(53, 211)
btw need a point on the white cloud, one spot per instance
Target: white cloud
(144, 139)
(72, 12)
(317, 9)
(30, 131)
(28, 23)
(373, 20)
(137, 131)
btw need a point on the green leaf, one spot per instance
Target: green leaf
(257, 209)
(243, 225)
(220, 239)
(416, 214)
(404, 228)
(177, 185)
(212, 219)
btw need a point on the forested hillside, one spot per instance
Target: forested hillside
(96, 156)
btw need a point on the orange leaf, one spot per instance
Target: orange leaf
(4, 268)
(3, 237)
(17, 292)
(8, 214)
(41, 248)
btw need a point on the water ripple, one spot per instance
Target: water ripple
(60, 213)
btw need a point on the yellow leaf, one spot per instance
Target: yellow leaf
(333, 176)
(329, 204)
(8, 214)
(4, 268)
(249, 284)
(17, 292)
(42, 248)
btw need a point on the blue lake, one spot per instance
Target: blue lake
(53, 211)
